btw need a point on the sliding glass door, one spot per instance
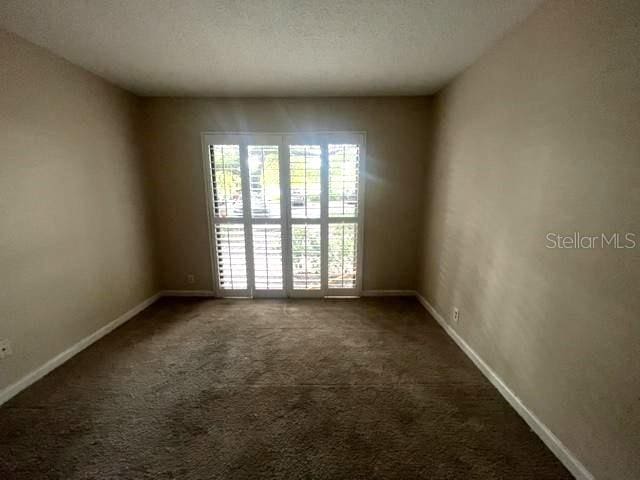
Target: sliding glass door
(285, 213)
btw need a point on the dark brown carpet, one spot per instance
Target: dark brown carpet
(230, 389)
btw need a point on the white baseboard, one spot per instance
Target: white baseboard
(388, 293)
(552, 442)
(187, 293)
(41, 371)
(364, 293)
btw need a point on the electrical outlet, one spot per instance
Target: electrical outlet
(5, 348)
(191, 279)
(456, 314)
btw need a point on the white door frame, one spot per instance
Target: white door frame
(283, 140)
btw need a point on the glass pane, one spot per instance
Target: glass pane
(227, 181)
(267, 257)
(305, 252)
(343, 248)
(343, 180)
(264, 174)
(232, 263)
(304, 168)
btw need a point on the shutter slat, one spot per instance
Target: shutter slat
(306, 256)
(344, 164)
(343, 244)
(304, 170)
(267, 257)
(232, 262)
(264, 181)
(227, 181)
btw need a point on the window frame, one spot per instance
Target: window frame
(243, 139)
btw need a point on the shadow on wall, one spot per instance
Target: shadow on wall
(473, 260)
(438, 268)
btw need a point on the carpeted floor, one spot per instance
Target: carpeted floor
(290, 389)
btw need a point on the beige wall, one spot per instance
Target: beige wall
(394, 168)
(75, 244)
(543, 135)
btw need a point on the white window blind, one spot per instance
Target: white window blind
(267, 257)
(343, 241)
(304, 169)
(231, 256)
(227, 180)
(343, 180)
(306, 256)
(286, 212)
(264, 177)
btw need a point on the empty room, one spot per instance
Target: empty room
(305, 239)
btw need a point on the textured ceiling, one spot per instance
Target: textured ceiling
(267, 47)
